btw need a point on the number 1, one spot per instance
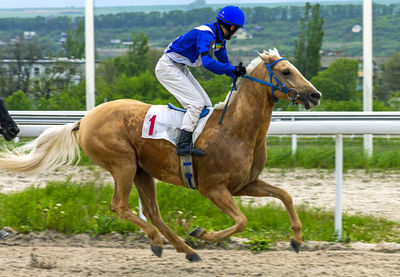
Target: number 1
(152, 122)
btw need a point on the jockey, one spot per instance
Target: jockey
(196, 48)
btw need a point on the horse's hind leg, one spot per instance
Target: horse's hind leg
(261, 188)
(148, 197)
(223, 199)
(123, 174)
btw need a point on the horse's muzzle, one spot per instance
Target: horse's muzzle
(9, 130)
(310, 99)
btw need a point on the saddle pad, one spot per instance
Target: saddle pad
(162, 122)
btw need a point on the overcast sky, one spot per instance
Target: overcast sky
(11, 4)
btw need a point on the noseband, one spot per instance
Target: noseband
(280, 86)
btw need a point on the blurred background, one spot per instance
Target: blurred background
(42, 49)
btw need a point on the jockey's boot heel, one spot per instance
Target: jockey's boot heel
(185, 145)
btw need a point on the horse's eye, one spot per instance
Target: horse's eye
(286, 72)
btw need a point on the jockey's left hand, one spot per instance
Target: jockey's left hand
(240, 70)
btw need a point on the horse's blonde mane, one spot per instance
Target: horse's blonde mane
(249, 69)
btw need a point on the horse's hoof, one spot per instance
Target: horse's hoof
(196, 232)
(295, 245)
(157, 250)
(193, 257)
(4, 234)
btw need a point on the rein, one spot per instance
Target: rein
(227, 102)
(280, 86)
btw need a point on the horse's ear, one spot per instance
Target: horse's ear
(266, 56)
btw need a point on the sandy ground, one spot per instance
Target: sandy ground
(52, 254)
(374, 193)
(72, 261)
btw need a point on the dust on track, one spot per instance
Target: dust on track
(54, 254)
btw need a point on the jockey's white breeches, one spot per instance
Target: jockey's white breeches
(179, 81)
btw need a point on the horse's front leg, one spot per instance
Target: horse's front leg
(261, 188)
(223, 199)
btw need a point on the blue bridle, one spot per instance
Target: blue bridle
(280, 86)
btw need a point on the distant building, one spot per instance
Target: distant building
(242, 34)
(63, 38)
(14, 40)
(29, 35)
(60, 70)
(326, 61)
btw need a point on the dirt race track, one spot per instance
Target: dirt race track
(377, 194)
(52, 254)
(138, 262)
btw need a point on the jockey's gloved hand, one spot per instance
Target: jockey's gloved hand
(240, 70)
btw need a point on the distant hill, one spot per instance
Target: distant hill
(79, 11)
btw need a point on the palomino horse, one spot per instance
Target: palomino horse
(9, 128)
(110, 135)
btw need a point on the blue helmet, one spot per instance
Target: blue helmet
(231, 15)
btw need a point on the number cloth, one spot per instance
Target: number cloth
(162, 122)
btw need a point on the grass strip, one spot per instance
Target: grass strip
(72, 208)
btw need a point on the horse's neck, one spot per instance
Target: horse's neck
(252, 108)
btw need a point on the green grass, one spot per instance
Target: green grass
(319, 152)
(72, 208)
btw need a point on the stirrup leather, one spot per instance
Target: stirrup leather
(186, 164)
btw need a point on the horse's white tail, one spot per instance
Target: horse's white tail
(55, 147)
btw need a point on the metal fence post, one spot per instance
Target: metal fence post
(141, 215)
(294, 141)
(339, 182)
(367, 69)
(89, 54)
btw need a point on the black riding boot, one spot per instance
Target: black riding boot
(185, 145)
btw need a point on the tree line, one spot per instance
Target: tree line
(197, 16)
(132, 75)
(267, 25)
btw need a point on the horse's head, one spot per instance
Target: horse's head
(9, 128)
(294, 86)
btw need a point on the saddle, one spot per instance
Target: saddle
(164, 122)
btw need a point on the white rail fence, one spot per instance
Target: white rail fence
(338, 124)
(337, 128)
